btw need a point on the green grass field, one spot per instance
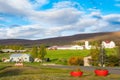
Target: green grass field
(69, 53)
(66, 53)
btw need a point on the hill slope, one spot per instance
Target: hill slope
(115, 36)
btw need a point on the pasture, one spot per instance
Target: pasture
(66, 53)
(69, 53)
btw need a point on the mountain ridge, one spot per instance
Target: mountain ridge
(115, 36)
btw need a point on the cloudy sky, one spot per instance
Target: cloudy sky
(39, 19)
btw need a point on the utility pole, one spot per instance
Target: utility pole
(102, 55)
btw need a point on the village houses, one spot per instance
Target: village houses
(106, 44)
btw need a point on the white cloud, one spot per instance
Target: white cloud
(63, 19)
(67, 4)
(112, 17)
(86, 23)
(22, 31)
(39, 3)
(57, 16)
(2, 19)
(17, 7)
(20, 7)
(117, 3)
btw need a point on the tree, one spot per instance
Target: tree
(98, 54)
(118, 52)
(42, 52)
(94, 52)
(80, 43)
(34, 52)
(112, 60)
(1, 47)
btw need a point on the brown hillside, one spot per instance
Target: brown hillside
(115, 36)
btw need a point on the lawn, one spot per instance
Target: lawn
(39, 72)
(66, 53)
(69, 53)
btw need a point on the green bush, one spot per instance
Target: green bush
(112, 61)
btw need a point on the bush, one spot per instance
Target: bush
(76, 61)
(112, 61)
(0, 60)
(93, 62)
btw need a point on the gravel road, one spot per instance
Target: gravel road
(112, 70)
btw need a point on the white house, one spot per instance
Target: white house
(108, 44)
(71, 47)
(7, 50)
(52, 48)
(20, 57)
(77, 47)
(67, 47)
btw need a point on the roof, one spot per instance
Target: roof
(18, 55)
(107, 41)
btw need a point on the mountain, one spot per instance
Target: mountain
(115, 36)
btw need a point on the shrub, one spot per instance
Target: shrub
(0, 60)
(112, 61)
(75, 60)
(81, 62)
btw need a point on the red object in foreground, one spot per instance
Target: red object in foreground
(100, 72)
(76, 73)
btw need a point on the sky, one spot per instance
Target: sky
(40, 19)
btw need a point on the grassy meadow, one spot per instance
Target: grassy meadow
(66, 53)
(69, 53)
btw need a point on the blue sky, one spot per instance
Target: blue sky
(39, 19)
